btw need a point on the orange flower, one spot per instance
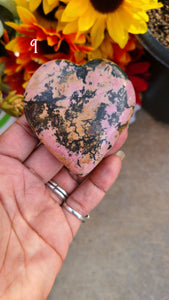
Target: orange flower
(23, 59)
(122, 56)
(112, 51)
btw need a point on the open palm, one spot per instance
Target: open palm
(35, 231)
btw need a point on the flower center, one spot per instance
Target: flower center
(106, 6)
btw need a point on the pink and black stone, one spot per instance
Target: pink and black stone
(79, 111)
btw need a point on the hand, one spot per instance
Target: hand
(35, 231)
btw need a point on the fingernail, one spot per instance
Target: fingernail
(121, 154)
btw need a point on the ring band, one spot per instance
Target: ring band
(57, 190)
(75, 213)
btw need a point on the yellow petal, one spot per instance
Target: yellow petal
(13, 25)
(116, 29)
(144, 4)
(71, 27)
(138, 27)
(87, 20)
(97, 32)
(74, 9)
(80, 38)
(143, 15)
(59, 12)
(12, 45)
(25, 15)
(58, 15)
(47, 8)
(60, 27)
(134, 22)
(107, 47)
(53, 2)
(95, 54)
(132, 10)
(25, 84)
(33, 4)
(23, 3)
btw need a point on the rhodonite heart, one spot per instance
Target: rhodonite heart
(79, 111)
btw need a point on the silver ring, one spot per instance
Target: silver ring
(57, 190)
(75, 213)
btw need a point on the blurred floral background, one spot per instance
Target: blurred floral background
(33, 32)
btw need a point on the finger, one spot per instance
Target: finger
(18, 141)
(42, 163)
(87, 195)
(65, 182)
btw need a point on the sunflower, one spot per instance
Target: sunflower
(119, 17)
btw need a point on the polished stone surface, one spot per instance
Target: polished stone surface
(78, 111)
(122, 252)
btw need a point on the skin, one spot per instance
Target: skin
(35, 231)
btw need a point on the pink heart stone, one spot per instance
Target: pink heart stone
(79, 111)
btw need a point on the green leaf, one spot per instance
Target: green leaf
(6, 15)
(2, 67)
(10, 5)
(1, 28)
